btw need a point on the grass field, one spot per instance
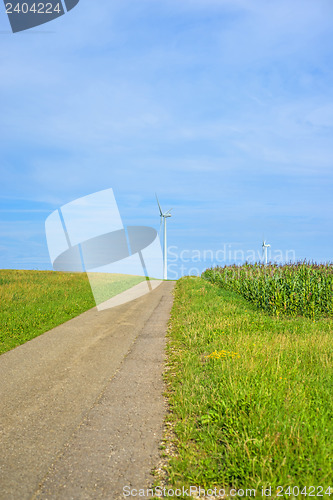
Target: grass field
(107, 285)
(32, 302)
(250, 395)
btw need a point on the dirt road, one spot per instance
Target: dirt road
(82, 406)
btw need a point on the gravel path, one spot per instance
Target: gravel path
(82, 407)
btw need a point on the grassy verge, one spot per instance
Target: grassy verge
(249, 394)
(33, 302)
(107, 285)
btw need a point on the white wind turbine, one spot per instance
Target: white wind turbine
(164, 217)
(264, 250)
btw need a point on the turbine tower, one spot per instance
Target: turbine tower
(264, 250)
(164, 217)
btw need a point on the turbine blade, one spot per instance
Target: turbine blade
(159, 206)
(165, 213)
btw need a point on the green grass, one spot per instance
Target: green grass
(250, 395)
(33, 302)
(293, 289)
(107, 285)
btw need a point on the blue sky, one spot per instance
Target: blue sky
(224, 108)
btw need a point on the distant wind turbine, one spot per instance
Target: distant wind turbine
(264, 250)
(164, 217)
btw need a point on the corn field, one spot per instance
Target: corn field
(295, 289)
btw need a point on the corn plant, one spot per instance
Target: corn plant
(303, 288)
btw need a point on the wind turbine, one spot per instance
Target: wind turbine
(164, 217)
(264, 250)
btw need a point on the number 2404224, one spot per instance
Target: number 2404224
(35, 8)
